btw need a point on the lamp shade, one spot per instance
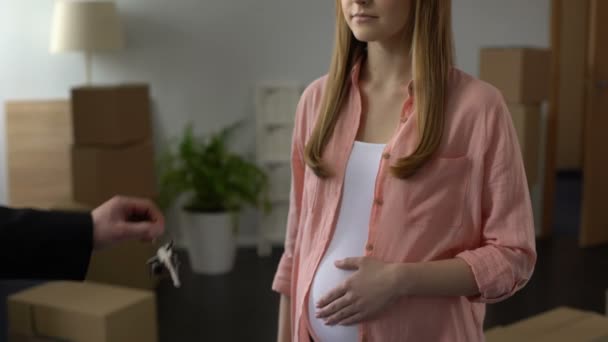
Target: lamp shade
(86, 26)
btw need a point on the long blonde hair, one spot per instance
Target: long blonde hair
(430, 32)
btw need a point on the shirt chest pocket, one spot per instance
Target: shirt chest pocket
(437, 195)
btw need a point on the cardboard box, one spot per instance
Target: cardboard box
(527, 122)
(99, 173)
(558, 325)
(38, 140)
(570, 104)
(522, 75)
(83, 312)
(25, 338)
(111, 115)
(122, 265)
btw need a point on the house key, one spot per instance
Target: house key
(165, 259)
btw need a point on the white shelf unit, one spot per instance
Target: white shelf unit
(276, 104)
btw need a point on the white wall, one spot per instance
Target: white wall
(480, 23)
(202, 57)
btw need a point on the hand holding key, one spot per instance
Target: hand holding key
(126, 218)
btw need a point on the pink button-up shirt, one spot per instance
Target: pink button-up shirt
(471, 201)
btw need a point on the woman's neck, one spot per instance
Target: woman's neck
(388, 64)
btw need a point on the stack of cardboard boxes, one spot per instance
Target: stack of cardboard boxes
(113, 155)
(113, 151)
(523, 77)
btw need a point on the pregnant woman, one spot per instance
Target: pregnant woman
(409, 203)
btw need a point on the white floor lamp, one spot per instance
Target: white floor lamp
(86, 26)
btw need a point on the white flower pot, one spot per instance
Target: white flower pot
(211, 242)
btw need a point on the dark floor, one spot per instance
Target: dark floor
(568, 195)
(241, 307)
(236, 307)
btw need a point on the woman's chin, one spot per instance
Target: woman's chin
(366, 36)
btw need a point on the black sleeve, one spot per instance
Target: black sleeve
(37, 244)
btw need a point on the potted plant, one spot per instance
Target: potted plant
(216, 184)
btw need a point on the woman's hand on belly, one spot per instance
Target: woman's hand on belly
(370, 290)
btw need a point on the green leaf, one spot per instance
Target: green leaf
(214, 178)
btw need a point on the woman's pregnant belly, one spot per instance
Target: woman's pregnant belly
(327, 278)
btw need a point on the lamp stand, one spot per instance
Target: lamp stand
(88, 59)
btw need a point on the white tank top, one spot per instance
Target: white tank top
(349, 238)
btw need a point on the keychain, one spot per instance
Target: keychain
(165, 259)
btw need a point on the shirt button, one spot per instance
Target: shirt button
(386, 155)
(369, 247)
(378, 201)
(403, 119)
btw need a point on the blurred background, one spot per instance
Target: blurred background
(191, 103)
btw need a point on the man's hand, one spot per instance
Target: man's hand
(125, 218)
